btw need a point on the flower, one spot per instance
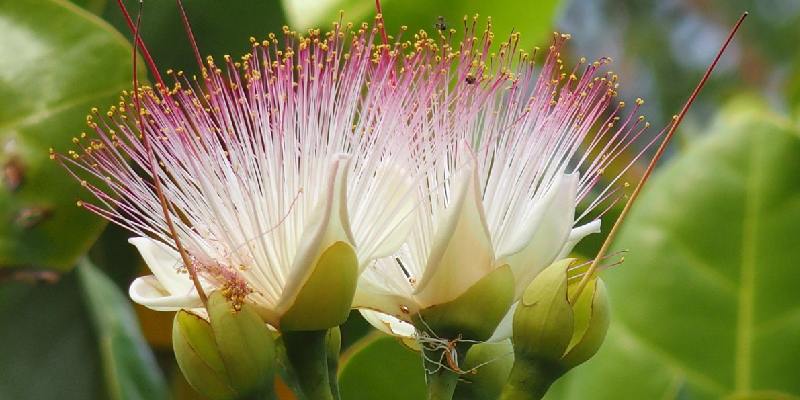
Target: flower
(509, 152)
(280, 171)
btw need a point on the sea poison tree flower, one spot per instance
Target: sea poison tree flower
(509, 150)
(283, 175)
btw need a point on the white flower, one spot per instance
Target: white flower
(510, 151)
(267, 163)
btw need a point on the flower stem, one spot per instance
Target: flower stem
(334, 347)
(529, 380)
(307, 356)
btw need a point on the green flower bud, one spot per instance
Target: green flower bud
(230, 356)
(551, 334)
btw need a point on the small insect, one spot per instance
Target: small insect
(471, 79)
(440, 24)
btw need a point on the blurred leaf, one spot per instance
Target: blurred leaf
(380, 367)
(58, 61)
(220, 27)
(95, 6)
(47, 347)
(354, 329)
(706, 305)
(130, 368)
(534, 19)
(118, 259)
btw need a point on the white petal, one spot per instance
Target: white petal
(328, 225)
(462, 252)
(543, 236)
(389, 216)
(389, 324)
(163, 263)
(505, 328)
(148, 291)
(384, 287)
(576, 235)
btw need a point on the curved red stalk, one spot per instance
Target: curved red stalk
(152, 163)
(672, 127)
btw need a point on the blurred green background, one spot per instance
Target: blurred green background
(706, 305)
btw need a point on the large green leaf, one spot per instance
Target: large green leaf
(95, 6)
(47, 347)
(57, 61)
(706, 304)
(130, 368)
(380, 367)
(533, 18)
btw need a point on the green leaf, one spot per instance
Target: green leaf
(58, 61)
(534, 19)
(47, 347)
(706, 305)
(130, 368)
(380, 367)
(95, 6)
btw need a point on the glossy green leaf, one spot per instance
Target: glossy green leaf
(706, 304)
(380, 367)
(58, 61)
(47, 347)
(129, 367)
(534, 19)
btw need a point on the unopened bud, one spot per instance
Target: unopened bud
(552, 335)
(227, 357)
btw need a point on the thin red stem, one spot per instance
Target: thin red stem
(153, 165)
(382, 27)
(676, 120)
(188, 28)
(151, 65)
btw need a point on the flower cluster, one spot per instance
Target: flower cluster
(353, 169)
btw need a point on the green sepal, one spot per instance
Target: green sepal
(324, 300)
(472, 316)
(543, 321)
(245, 344)
(475, 314)
(592, 317)
(198, 358)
